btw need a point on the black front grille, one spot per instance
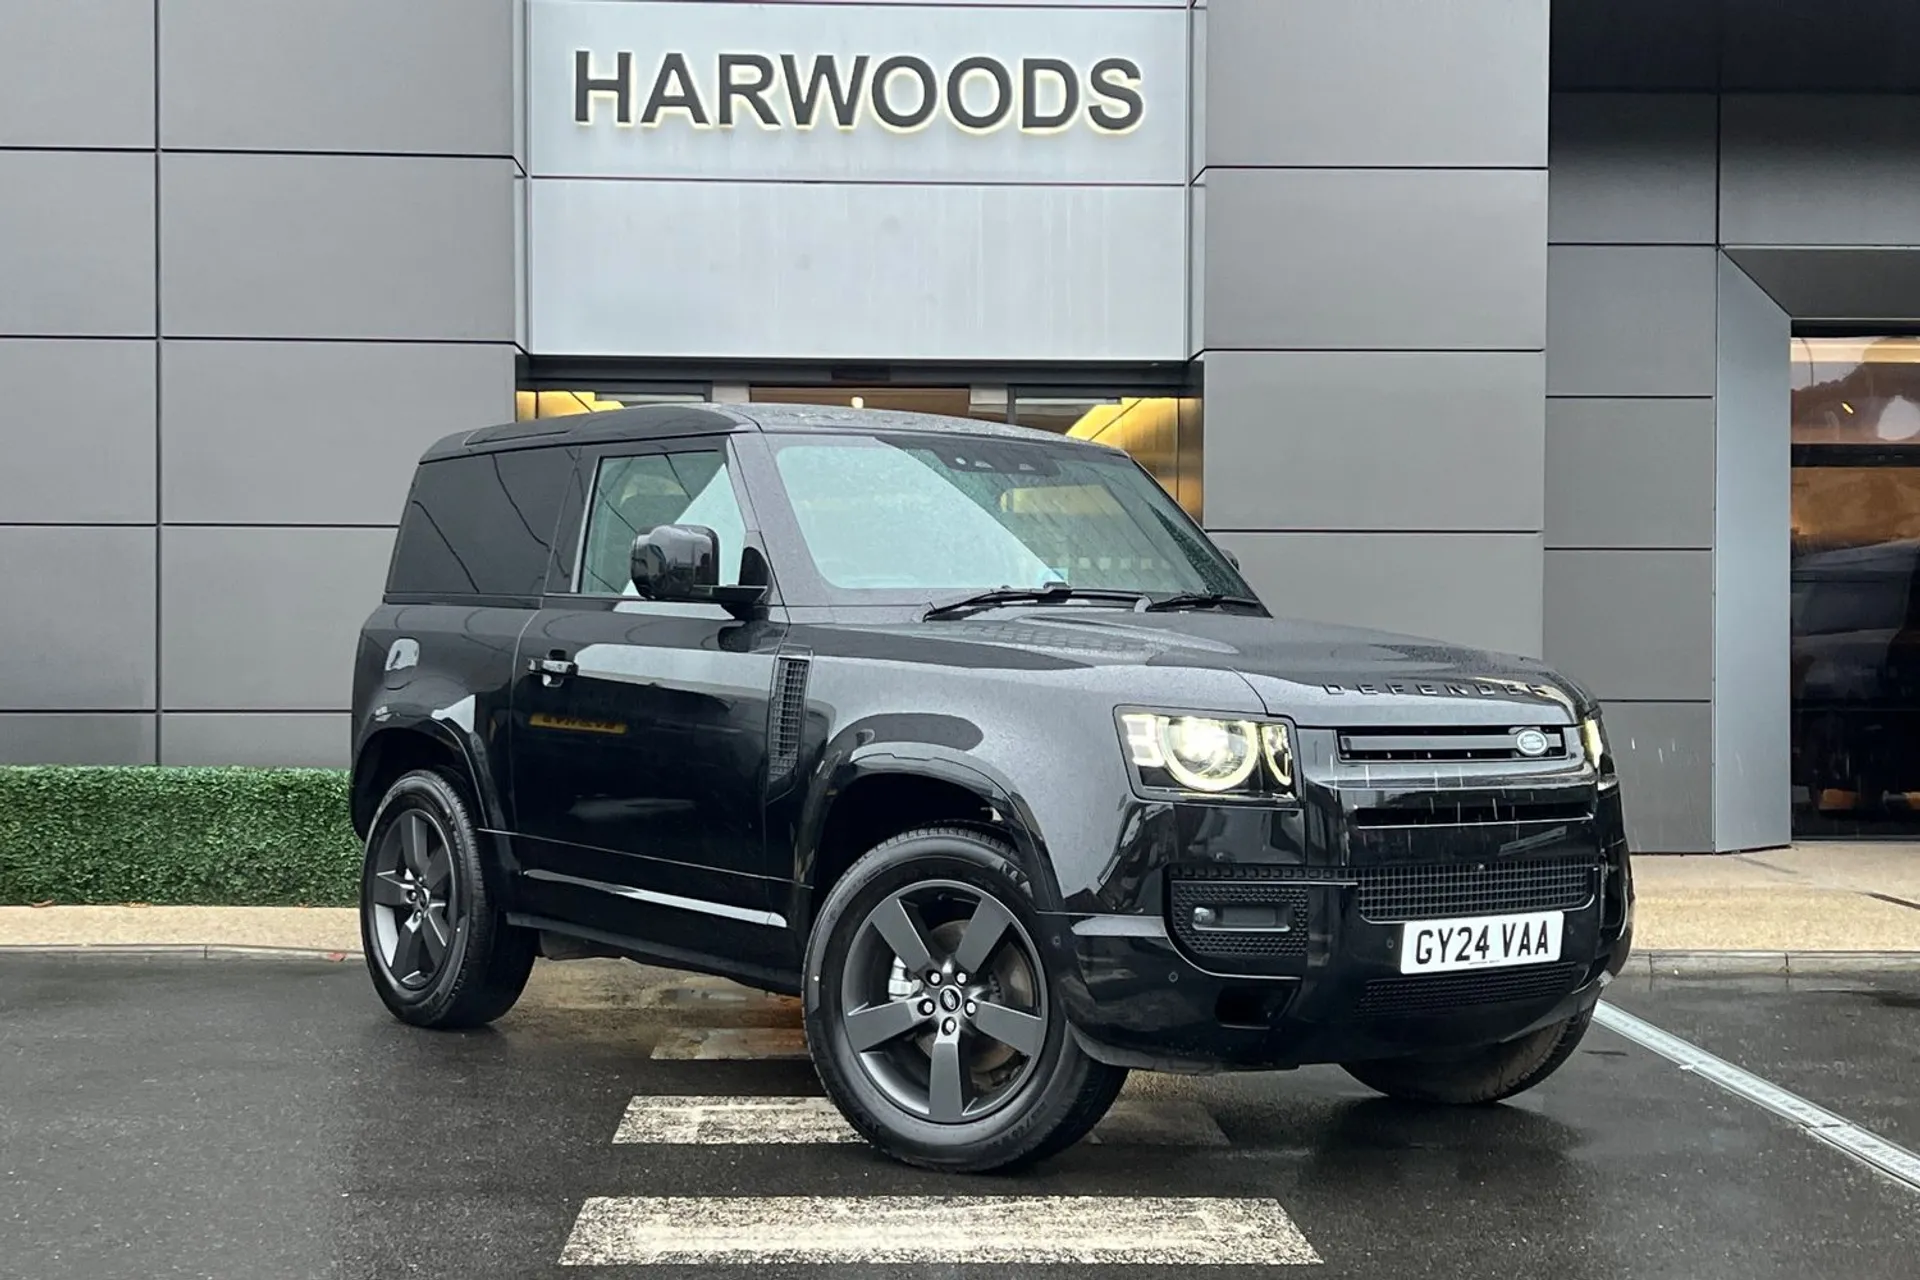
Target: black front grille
(1262, 871)
(1448, 992)
(1439, 811)
(1434, 890)
(1248, 919)
(1451, 745)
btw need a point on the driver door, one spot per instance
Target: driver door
(638, 769)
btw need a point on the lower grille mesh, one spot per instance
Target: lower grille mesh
(1444, 993)
(1288, 902)
(1448, 889)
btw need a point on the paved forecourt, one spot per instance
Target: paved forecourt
(163, 1115)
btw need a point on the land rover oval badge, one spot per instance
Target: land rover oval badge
(1530, 742)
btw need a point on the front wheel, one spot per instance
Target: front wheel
(440, 953)
(932, 1019)
(1484, 1075)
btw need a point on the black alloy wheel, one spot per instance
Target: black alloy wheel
(943, 998)
(415, 913)
(931, 1014)
(440, 952)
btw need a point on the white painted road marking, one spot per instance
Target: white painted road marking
(755, 1043)
(906, 1230)
(684, 1120)
(1889, 1158)
(717, 1120)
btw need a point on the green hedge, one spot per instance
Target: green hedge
(203, 837)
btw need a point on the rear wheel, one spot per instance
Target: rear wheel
(931, 1017)
(439, 952)
(1478, 1076)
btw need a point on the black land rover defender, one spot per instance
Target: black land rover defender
(970, 738)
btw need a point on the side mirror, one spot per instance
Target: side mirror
(1232, 559)
(682, 562)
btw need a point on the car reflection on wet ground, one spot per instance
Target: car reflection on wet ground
(267, 1118)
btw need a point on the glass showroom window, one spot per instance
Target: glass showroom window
(529, 405)
(1161, 432)
(1856, 586)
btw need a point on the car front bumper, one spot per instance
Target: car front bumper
(1141, 989)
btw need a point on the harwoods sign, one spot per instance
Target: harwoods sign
(1060, 95)
(902, 93)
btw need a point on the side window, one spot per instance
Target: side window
(480, 525)
(632, 495)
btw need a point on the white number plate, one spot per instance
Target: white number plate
(1480, 942)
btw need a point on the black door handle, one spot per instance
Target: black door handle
(553, 668)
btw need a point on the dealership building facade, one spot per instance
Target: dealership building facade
(1575, 329)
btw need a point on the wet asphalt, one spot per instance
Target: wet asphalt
(249, 1118)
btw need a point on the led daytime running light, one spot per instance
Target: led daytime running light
(1279, 753)
(1593, 741)
(1205, 753)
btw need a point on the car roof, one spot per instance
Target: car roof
(676, 421)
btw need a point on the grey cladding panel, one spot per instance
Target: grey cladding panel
(1197, 63)
(77, 458)
(1806, 170)
(238, 413)
(1752, 728)
(76, 73)
(86, 641)
(1851, 285)
(858, 271)
(337, 247)
(1306, 440)
(1302, 83)
(76, 243)
(1630, 321)
(1636, 44)
(1665, 754)
(76, 738)
(1472, 589)
(1630, 473)
(266, 619)
(258, 739)
(1347, 259)
(1851, 45)
(432, 76)
(1632, 624)
(1633, 168)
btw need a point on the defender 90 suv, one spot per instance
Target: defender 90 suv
(967, 736)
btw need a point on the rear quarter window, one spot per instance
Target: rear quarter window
(481, 525)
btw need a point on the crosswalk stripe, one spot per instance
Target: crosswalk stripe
(906, 1230)
(718, 1120)
(755, 1043)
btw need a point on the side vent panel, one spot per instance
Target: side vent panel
(787, 717)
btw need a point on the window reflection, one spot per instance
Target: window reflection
(1162, 433)
(1856, 586)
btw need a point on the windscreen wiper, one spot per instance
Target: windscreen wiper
(1200, 600)
(1052, 593)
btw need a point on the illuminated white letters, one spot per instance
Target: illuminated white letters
(903, 92)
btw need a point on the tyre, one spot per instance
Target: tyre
(1484, 1075)
(932, 1019)
(440, 953)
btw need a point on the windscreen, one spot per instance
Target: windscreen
(913, 513)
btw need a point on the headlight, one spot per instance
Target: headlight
(1208, 754)
(1593, 741)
